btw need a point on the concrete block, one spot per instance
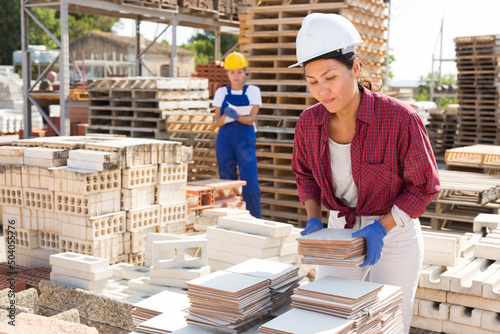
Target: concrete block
(97, 227)
(427, 324)
(168, 193)
(466, 315)
(49, 221)
(26, 238)
(470, 279)
(14, 215)
(488, 248)
(453, 327)
(95, 166)
(139, 176)
(137, 198)
(491, 286)
(96, 286)
(170, 152)
(172, 173)
(239, 249)
(431, 294)
(34, 177)
(129, 271)
(46, 153)
(490, 221)
(173, 212)
(44, 162)
(143, 218)
(83, 181)
(439, 277)
(490, 320)
(242, 238)
(93, 156)
(84, 275)
(434, 310)
(179, 253)
(79, 262)
(88, 205)
(473, 301)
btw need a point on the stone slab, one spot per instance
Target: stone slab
(37, 324)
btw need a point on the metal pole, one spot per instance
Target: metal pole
(26, 67)
(64, 71)
(173, 56)
(138, 69)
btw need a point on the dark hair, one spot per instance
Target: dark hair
(348, 61)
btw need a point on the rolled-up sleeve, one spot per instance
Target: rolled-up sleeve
(420, 172)
(307, 187)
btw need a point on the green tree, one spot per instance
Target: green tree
(202, 44)
(423, 92)
(10, 27)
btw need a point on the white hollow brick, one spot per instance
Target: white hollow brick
(172, 173)
(143, 218)
(96, 166)
(26, 238)
(136, 258)
(44, 162)
(434, 310)
(106, 248)
(49, 222)
(96, 286)
(466, 315)
(473, 301)
(11, 196)
(170, 152)
(491, 286)
(49, 240)
(490, 320)
(46, 153)
(93, 156)
(14, 215)
(80, 262)
(491, 221)
(178, 251)
(169, 193)
(453, 327)
(35, 177)
(469, 280)
(137, 198)
(254, 225)
(139, 176)
(488, 248)
(173, 212)
(427, 324)
(88, 205)
(439, 277)
(81, 274)
(97, 227)
(431, 294)
(83, 181)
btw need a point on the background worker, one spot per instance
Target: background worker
(364, 156)
(236, 107)
(46, 85)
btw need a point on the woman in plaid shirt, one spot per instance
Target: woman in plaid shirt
(364, 156)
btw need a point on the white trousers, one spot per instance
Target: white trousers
(400, 263)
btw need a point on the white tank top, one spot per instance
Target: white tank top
(340, 160)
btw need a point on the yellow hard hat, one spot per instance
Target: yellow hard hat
(235, 60)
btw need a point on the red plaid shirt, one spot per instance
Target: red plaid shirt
(392, 159)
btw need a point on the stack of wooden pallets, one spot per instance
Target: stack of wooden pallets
(478, 64)
(267, 38)
(442, 130)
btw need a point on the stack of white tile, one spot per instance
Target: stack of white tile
(283, 278)
(81, 271)
(463, 298)
(241, 238)
(173, 265)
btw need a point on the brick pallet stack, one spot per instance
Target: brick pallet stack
(267, 38)
(97, 196)
(215, 73)
(478, 64)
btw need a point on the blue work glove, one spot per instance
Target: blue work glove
(374, 236)
(313, 224)
(230, 112)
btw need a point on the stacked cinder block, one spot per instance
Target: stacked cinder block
(240, 238)
(81, 271)
(462, 296)
(98, 196)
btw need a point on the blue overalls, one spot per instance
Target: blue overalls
(236, 146)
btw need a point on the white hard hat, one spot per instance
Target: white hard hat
(324, 33)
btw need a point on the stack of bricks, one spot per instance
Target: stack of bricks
(81, 271)
(478, 64)
(240, 238)
(111, 193)
(215, 73)
(458, 293)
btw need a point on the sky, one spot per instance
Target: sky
(414, 29)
